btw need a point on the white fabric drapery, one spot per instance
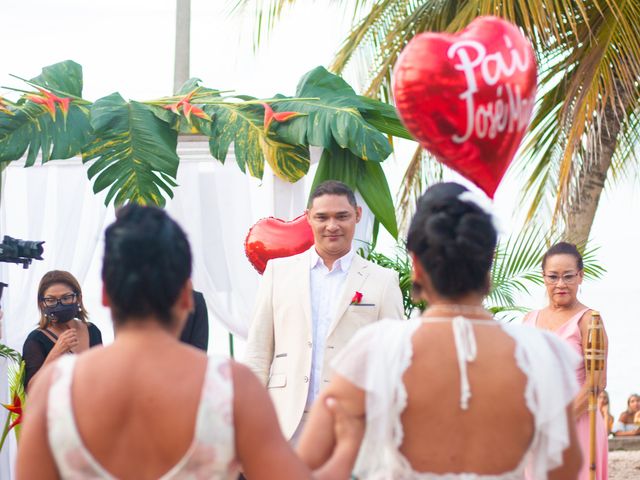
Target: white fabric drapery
(215, 203)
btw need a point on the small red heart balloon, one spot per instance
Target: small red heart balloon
(274, 238)
(467, 98)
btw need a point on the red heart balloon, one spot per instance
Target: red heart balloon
(467, 98)
(274, 238)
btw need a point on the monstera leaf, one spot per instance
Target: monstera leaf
(134, 152)
(366, 177)
(333, 119)
(58, 130)
(242, 125)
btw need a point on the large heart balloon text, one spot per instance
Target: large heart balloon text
(274, 238)
(467, 98)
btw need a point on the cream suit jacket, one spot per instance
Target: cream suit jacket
(280, 345)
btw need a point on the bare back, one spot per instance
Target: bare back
(494, 433)
(136, 411)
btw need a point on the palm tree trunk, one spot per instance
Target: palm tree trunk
(591, 179)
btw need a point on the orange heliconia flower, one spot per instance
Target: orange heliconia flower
(16, 408)
(270, 115)
(49, 100)
(187, 108)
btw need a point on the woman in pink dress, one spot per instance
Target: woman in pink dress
(568, 318)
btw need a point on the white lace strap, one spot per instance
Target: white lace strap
(466, 351)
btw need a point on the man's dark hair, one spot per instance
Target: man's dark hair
(147, 260)
(333, 187)
(563, 248)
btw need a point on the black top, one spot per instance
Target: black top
(38, 345)
(196, 329)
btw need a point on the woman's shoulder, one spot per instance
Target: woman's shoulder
(539, 343)
(37, 335)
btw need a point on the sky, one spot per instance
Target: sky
(127, 46)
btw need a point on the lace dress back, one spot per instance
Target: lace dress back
(377, 357)
(212, 451)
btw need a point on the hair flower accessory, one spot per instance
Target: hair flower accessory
(485, 204)
(357, 298)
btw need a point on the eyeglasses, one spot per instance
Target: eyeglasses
(567, 278)
(67, 299)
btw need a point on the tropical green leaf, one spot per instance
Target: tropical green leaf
(401, 263)
(373, 186)
(64, 78)
(134, 152)
(31, 126)
(333, 119)
(383, 117)
(289, 162)
(365, 177)
(241, 125)
(8, 352)
(516, 267)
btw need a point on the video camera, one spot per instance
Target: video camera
(13, 250)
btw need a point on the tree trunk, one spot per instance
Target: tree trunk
(591, 179)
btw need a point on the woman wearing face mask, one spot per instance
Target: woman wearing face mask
(63, 326)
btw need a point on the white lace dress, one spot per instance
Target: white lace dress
(377, 356)
(212, 452)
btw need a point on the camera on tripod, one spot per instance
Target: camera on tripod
(14, 250)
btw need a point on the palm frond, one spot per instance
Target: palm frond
(516, 267)
(10, 353)
(422, 171)
(267, 13)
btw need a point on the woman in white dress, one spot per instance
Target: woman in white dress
(453, 394)
(149, 406)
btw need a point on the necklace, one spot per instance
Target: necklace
(456, 309)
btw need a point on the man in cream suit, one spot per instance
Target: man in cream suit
(310, 305)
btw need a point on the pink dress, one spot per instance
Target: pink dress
(570, 331)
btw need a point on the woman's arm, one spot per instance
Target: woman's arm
(262, 450)
(65, 342)
(581, 402)
(35, 459)
(318, 438)
(572, 456)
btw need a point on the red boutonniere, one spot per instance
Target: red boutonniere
(357, 298)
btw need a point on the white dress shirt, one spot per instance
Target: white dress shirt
(326, 290)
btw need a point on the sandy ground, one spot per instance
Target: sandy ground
(624, 465)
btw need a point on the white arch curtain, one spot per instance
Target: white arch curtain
(216, 204)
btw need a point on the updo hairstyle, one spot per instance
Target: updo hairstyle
(147, 260)
(563, 248)
(454, 241)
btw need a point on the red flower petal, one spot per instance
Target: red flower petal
(284, 116)
(268, 116)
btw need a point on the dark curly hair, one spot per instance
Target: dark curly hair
(453, 239)
(147, 260)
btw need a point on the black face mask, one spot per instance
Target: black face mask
(62, 313)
